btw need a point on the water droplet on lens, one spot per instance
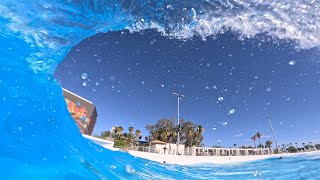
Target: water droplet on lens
(84, 75)
(268, 89)
(84, 83)
(231, 111)
(130, 170)
(257, 173)
(292, 62)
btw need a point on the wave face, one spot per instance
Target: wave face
(39, 138)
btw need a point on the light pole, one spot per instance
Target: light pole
(274, 136)
(179, 96)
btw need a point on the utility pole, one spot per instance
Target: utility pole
(274, 135)
(179, 96)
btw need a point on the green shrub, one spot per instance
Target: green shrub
(120, 144)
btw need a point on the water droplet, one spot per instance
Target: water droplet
(257, 173)
(231, 111)
(113, 166)
(97, 83)
(268, 89)
(224, 123)
(84, 75)
(130, 170)
(162, 85)
(84, 83)
(220, 99)
(292, 62)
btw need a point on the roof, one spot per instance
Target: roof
(157, 142)
(76, 95)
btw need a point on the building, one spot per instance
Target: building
(82, 111)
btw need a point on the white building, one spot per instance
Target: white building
(166, 148)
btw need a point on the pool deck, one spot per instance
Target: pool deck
(192, 160)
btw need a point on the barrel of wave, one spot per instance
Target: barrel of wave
(35, 123)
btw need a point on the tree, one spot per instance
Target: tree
(283, 147)
(268, 144)
(199, 135)
(117, 131)
(292, 149)
(130, 137)
(105, 134)
(259, 136)
(131, 129)
(190, 134)
(254, 140)
(235, 145)
(138, 134)
(165, 130)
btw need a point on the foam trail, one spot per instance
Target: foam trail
(39, 138)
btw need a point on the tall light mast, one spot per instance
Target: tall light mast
(179, 97)
(274, 135)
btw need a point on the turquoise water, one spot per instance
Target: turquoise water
(39, 138)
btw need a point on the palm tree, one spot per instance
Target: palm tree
(303, 144)
(131, 129)
(199, 134)
(190, 135)
(259, 136)
(254, 140)
(118, 131)
(138, 134)
(296, 145)
(268, 144)
(235, 145)
(283, 147)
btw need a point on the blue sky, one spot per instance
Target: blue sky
(231, 85)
